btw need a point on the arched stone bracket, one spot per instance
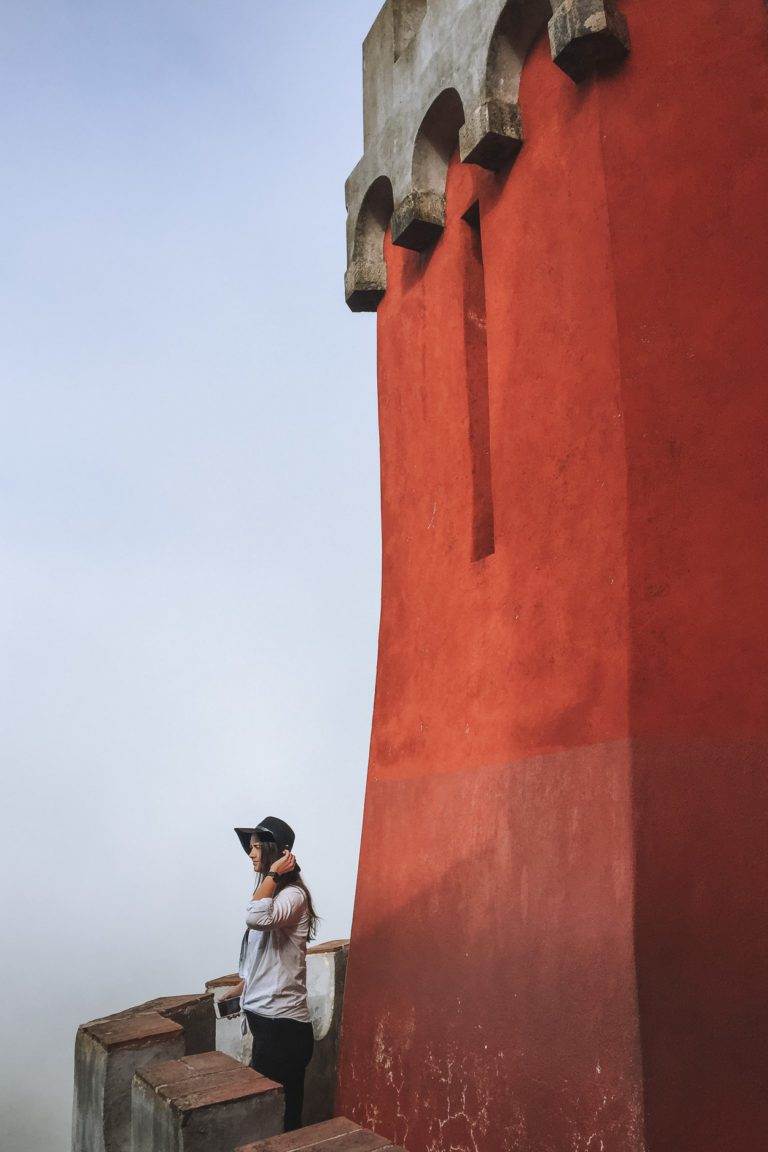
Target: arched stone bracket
(366, 278)
(492, 135)
(587, 34)
(418, 220)
(440, 74)
(419, 217)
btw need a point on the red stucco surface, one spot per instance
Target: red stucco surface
(556, 935)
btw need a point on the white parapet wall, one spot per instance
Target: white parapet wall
(326, 975)
(229, 1035)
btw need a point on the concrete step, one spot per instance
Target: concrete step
(336, 1135)
(204, 1103)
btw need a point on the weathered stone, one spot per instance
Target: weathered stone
(203, 1103)
(365, 283)
(585, 35)
(418, 220)
(474, 51)
(448, 54)
(492, 135)
(107, 1054)
(408, 15)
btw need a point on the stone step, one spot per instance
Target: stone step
(194, 1013)
(204, 1103)
(336, 1135)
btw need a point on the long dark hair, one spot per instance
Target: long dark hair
(270, 854)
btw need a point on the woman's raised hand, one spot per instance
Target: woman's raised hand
(286, 863)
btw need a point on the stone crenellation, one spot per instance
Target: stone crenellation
(441, 72)
(162, 1075)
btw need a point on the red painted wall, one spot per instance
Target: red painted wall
(555, 941)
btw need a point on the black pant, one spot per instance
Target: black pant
(282, 1048)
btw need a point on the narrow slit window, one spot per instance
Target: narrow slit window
(476, 360)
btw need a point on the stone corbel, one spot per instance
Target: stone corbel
(492, 135)
(587, 34)
(365, 283)
(418, 220)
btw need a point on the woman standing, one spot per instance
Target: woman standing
(280, 920)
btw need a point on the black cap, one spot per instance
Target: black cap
(271, 828)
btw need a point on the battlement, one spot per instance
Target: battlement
(438, 72)
(122, 1103)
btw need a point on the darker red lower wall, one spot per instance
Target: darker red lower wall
(685, 144)
(555, 939)
(490, 1003)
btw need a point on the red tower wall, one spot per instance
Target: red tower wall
(555, 941)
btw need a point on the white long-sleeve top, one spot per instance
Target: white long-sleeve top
(274, 962)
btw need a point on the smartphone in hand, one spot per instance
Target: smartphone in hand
(226, 1009)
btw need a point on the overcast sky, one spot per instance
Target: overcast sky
(189, 537)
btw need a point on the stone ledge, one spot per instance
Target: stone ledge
(194, 1013)
(328, 946)
(202, 1080)
(336, 1135)
(131, 1030)
(304, 1137)
(222, 982)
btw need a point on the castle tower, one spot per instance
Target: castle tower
(561, 218)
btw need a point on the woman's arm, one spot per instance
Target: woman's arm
(266, 912)
(282, 911)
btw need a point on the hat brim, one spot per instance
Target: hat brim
(244, 836)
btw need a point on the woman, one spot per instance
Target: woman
(273, 962)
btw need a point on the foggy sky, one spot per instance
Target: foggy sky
(189, 515)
